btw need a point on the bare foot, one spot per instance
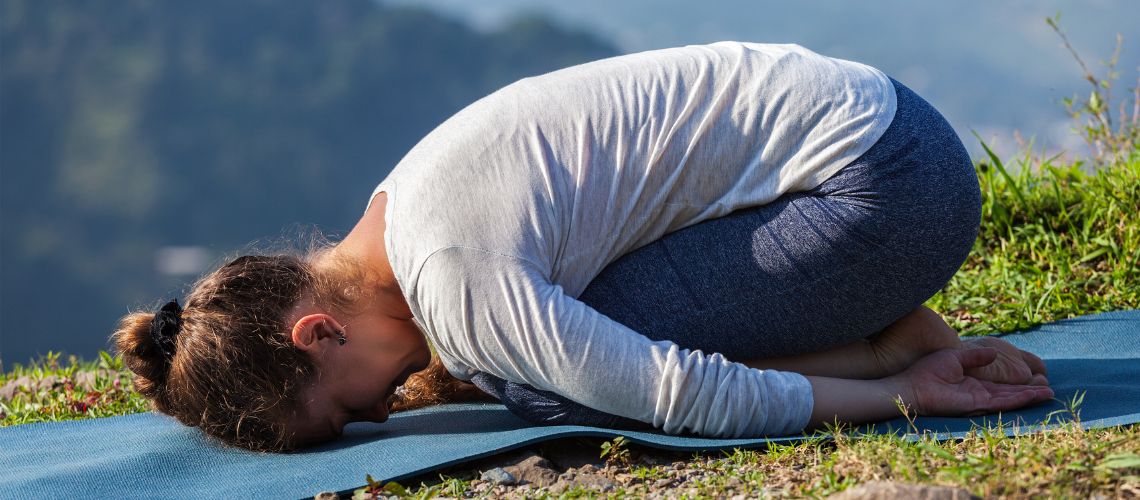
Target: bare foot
(1012, 366)
(910, 338)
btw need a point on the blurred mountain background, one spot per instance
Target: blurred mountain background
(990, 66)
(142, 141)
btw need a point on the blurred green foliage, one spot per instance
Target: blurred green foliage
(127, 126)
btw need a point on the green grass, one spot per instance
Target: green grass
(48, 390)
(1057, 240)
(1063, 463)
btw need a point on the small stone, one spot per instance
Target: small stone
(884, 490)
(85, 380)
(505, 459)
(733, 482)
(326, 495)
(649, 459)
(498, 476)
(7, 391)
(48, 383)
(662, 483)
(594, 481)
(587, 469)
(533, 470)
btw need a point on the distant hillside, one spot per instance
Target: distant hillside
(993, 67)
(131, 126)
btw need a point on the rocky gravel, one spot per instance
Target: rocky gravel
(573, 467)
(563, 466)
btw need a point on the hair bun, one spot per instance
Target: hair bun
(165, 325)
(134, 341)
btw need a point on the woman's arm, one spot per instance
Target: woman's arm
(935, 385)
(499, 314)
(853, 401)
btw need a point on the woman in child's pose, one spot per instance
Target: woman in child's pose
(730, 240)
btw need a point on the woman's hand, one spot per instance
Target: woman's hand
(1012, 366)
(941, 384)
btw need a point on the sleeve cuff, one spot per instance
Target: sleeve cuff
(793, 413)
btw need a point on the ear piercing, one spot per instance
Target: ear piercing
(340, 337)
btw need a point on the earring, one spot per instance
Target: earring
(340, 337)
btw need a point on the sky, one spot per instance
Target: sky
(991, 67)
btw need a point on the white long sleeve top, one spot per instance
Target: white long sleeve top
(499, 218)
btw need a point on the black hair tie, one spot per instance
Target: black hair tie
(164, 327)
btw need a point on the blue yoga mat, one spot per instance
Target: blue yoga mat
(150, 455)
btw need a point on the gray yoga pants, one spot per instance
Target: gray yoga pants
(811, 271)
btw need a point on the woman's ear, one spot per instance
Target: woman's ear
(311, 329)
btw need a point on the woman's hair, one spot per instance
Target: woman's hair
(235, 373)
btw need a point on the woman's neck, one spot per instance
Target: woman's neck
(365, 244)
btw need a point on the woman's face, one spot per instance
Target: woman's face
(356, 379)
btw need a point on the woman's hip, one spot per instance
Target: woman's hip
(916, 183)
(812, 269)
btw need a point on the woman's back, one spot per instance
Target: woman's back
(504, 213)
(576, 167)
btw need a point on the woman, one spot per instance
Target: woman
(730, 240)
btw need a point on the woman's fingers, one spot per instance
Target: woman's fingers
(977, 357)
(1004, 397)
(1012, 366)
(944, 384)
(1025, 397)
(1036, 365)
(1006, 389)
(1010, 401)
